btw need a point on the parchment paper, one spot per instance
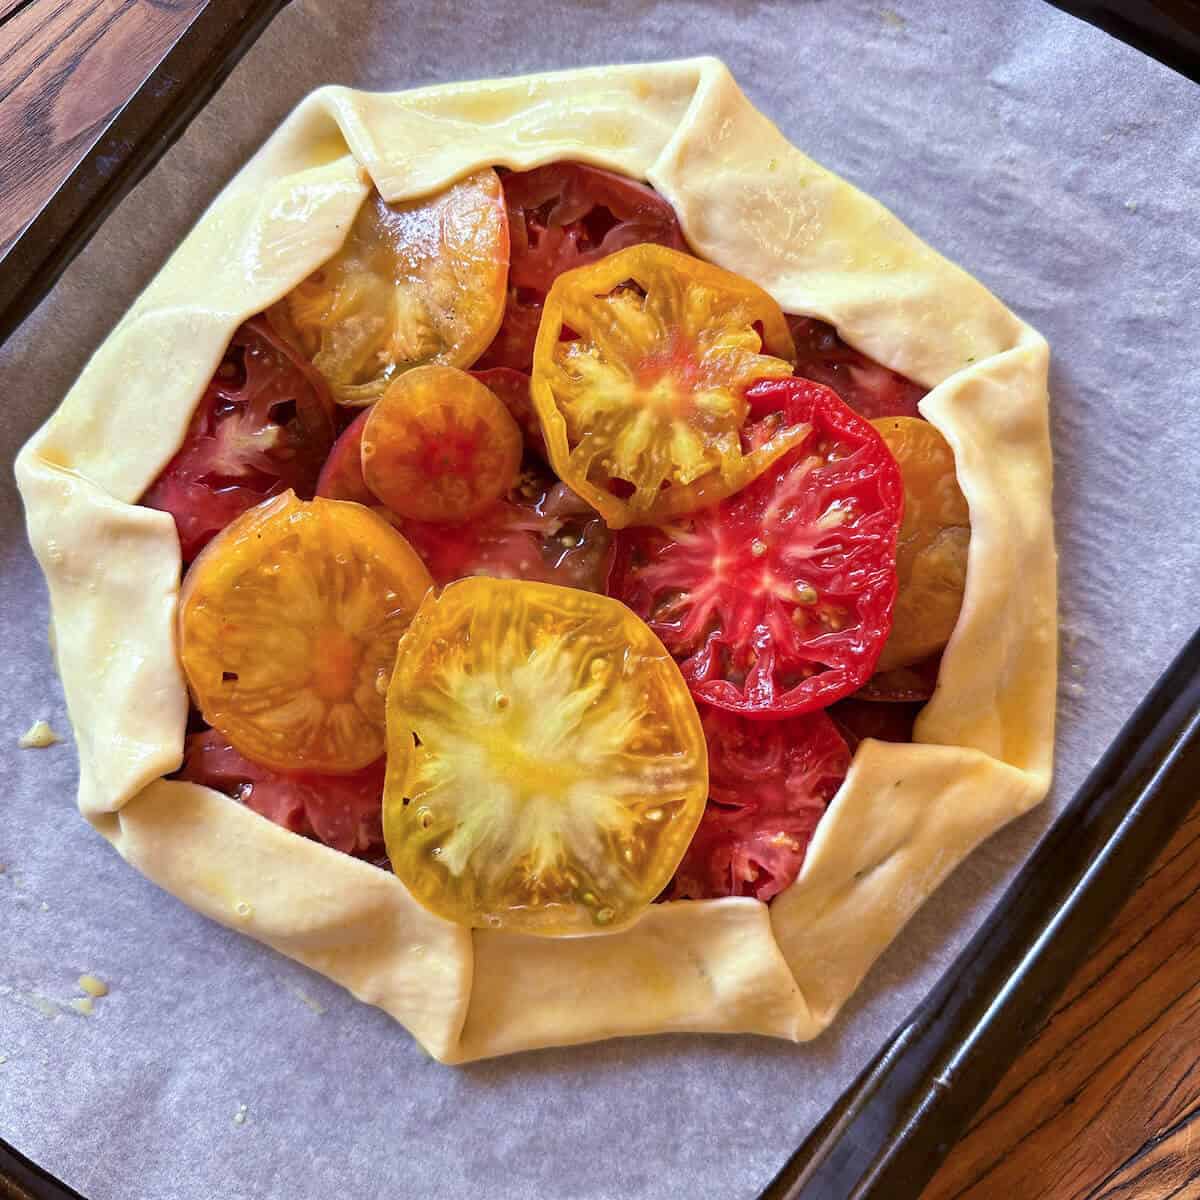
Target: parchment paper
(1054, 163)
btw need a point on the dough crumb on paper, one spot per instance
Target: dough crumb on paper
(94, 986)
(239, 1117)
(83, 1005)
(38, 736)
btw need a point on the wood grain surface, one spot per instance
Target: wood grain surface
(66, 66)
(1105, 1102)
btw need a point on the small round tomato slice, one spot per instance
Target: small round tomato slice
(931, 552)
(439, 446)
(288, 624)
(869, 388)
(642, 360)
(769, 783)
(562, 216)
(778, 600)
(558, 770)
(343, 811)
(414, 283)
(263, 425)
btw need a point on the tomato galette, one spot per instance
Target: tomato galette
(549, 556)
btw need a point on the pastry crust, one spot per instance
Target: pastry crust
(748, 201)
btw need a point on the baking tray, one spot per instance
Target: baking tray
(891, 1129)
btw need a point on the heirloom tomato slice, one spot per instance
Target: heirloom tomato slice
(546, 764)
(868, 387)
(931, 552)
(778, 600)
(561, 216)
(263, 425)
(769, 782)
(439, 446)
(288, 624)
(639, 375)
(541, 532)
(414, 283)
(343, 811)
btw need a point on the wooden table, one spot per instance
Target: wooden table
(1103, 1105)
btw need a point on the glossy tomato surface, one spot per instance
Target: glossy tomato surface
(288, 624)
(343, 811)
(546, 764)
(933, 546)
(540, 531)
(438, 445)
(769, 782)
(639, 379)
(263, 425)
(413, 283)
(869, 388)
(562, 216)
(778, 600)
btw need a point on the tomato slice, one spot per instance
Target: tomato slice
(343, 811)
(769, 782)
(288, 624)
(559, 769)
(778, 600)
(415, 283)
(642, 404)
(562, 216)
(439, 446)
(512, 387)
(263, 425)
(869, 388)
(931, 553)
(540, 531)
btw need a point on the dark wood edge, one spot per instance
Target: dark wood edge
(891, 1130)
(21, 1179)
(1168, 30)
(134, 140)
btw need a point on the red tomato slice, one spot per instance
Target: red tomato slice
(541, 531)
(343, 811)
(865, 385)
(561, 216)
(860, 719)
(264, 424)
(512, 387)
(769, 782)
(778, 600)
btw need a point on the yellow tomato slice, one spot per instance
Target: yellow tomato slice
(288, 624)
(439, 446)
(422, 282)
(931, 551)
(639, 371)
(558, 770)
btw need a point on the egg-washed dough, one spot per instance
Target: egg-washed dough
(748, 201)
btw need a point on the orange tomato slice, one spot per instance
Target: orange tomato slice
(558, 770)
(639, 371)
(420, 282)
(288, 624)
(931, 551)
(439, 446)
